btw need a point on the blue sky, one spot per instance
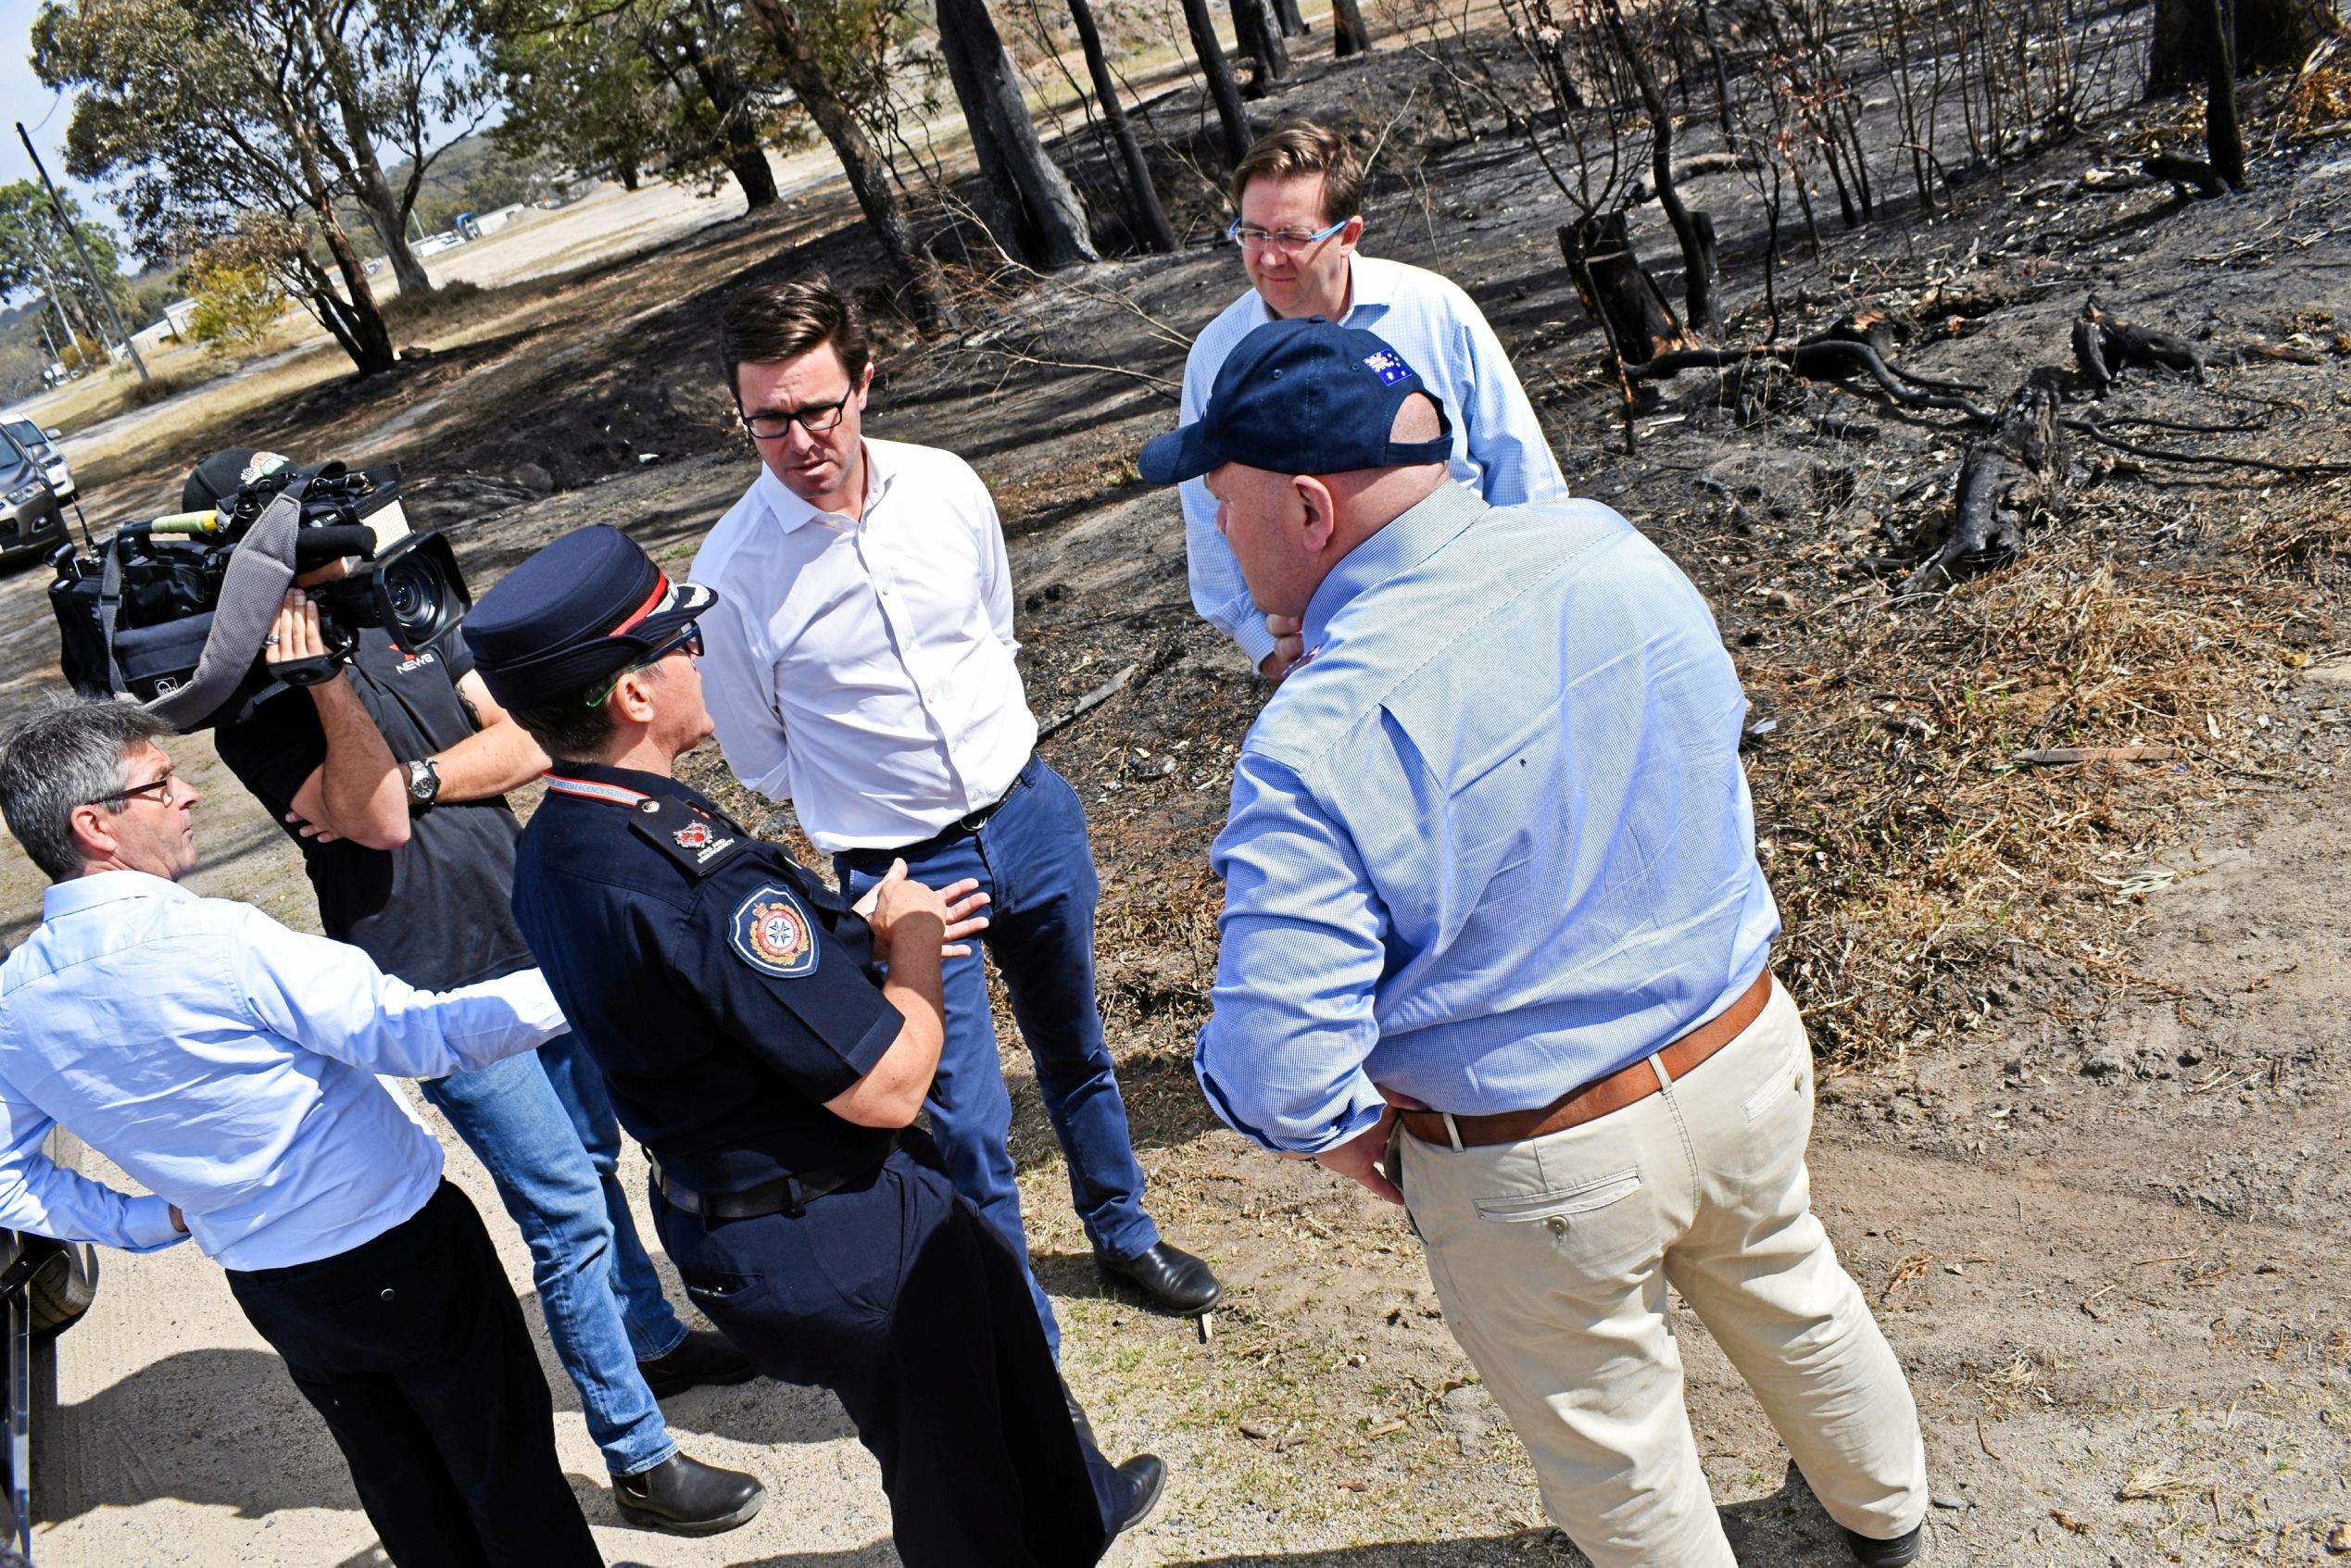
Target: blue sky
(41, 110)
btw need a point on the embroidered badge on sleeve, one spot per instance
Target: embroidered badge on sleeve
(773, 934)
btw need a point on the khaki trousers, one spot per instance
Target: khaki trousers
(1552, 1259)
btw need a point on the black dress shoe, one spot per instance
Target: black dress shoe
(1170, 1278)
(1871, 1553)
(1149, 1477)
(687, 1498)
(700, 1358)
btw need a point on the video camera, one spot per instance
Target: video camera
(140, 617)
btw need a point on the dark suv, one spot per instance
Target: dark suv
(31, 520)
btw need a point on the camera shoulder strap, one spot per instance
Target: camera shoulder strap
(260, 569)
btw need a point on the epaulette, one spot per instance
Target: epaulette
(686, 835)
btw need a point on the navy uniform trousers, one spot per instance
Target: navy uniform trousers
(414, 1349)
(899, 1297)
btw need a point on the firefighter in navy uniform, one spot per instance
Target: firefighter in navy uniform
(735, 1008)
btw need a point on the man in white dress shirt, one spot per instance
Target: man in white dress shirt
(1299, 192)
(230, 1066)
(860, 663)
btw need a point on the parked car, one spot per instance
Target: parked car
(31, 520)
(42, 446)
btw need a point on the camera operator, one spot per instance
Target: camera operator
(390, 766)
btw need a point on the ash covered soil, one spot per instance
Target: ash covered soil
(2083, 1133)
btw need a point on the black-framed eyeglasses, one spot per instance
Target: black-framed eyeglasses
(159, 786)
(816, 420)
(689, 637)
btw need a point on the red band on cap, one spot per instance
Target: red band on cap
(660, 592)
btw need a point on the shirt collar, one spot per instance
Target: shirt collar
(621, 787)
(793, 513)
(1371, 286)
(1415, 533)
(81, 893)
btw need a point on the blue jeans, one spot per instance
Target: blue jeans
(1035, 863)
(542, 1124)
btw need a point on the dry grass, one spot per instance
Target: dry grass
(1907, 843)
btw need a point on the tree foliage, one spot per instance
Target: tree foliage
(236, 289)
(206, 122)
(688, 87)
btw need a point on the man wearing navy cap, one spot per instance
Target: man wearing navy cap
(391, 769)
(732, 1004)
(1512, 935)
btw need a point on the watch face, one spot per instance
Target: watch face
(425, 781)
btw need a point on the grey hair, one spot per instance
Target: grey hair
(68, 755)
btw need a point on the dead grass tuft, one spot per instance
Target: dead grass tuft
(1907, 844)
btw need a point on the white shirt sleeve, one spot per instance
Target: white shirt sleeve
(38, 1195)
(739, 691)
(330, 997)
(1219, 591)
(996, 567)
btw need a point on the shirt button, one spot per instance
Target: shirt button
(386, 1294)
(1558, 1227)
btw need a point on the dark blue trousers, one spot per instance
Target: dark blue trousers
(1033, 859)
(896, 1295)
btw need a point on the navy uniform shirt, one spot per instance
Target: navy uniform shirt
(725, 994)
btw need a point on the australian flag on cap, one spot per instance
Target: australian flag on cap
(1388, 366)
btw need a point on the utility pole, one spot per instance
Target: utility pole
(97, 283)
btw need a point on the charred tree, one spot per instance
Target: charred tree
(1694, 232)
(2223, 142)
(1045, 224)
(1620, 296)
(1222, 90)
(1348, 33)
(2263, 36)
(1293, 21)
(1149, 218)
(1257, 34)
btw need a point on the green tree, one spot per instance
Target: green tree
(37, 257)
(236, 289)
(204, 132)
(689, 86)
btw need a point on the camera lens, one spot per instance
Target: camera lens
(412, 591)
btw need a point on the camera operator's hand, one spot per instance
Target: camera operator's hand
(295, 650)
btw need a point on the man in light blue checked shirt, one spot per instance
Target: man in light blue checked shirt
(1299, 191)
(229, 1065)
(1492, 913)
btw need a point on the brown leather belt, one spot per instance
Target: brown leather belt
(1637, 1081)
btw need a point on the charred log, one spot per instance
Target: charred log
(2005, 477)
(1617, 291)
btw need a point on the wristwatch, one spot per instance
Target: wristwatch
(424, 784)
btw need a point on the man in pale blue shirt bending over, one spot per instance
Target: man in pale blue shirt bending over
(1299, 191)
(229, 1065)
(1492, 911)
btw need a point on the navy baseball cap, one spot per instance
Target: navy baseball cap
(583, 609)
(1303, 396)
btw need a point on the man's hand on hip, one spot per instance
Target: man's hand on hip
(1359, 1157)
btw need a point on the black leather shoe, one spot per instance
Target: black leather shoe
(1170, 1278)
(1873, 1553)
(700, 1359)
(687, 1498)
(1149, 1477)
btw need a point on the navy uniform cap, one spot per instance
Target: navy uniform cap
(580, 610)
(1301, 397)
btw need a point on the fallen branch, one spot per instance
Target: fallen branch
(2185, 171)
(2091, 429)
(1087, 703)
(1828, 360)
(2065, 756)
(2005, 477)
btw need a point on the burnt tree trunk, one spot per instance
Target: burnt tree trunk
(2223, 142)
(2263, 36)
(1258, 36)
(1047, 220)
(1222, 90)
(1695, 235)
(1610, 281)
(1148, 217)
(1293, 21)
(2005, 477)
(1348, 33)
